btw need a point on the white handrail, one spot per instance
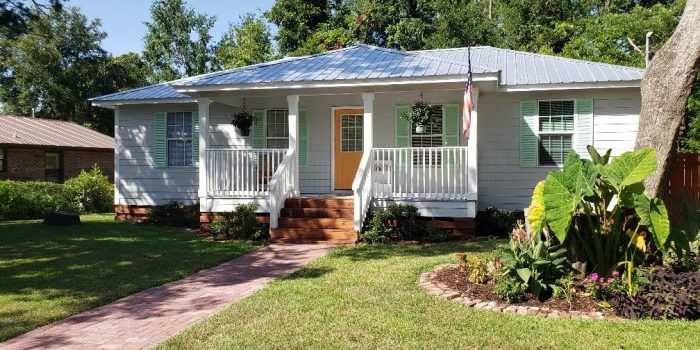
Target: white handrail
(241, 172)
(362, 190)
(281, 185)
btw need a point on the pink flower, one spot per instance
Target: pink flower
(611, 280)
(594, 277)
(602, 279)
(616, 273)
(597, 286)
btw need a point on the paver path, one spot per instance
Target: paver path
(146, 318)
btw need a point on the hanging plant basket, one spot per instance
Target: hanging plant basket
(420, 115)
(243, 121)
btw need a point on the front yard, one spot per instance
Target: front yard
(49, 273)
(367, 297)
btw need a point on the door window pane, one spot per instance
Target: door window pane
(351, 134)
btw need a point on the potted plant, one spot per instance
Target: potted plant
(420, 115)
(243, 120)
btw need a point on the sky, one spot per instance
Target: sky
(123, 19)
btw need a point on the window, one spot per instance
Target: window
(351, 138)
(2, 160)
(179, 137)
(555, 133)
(53, 169)
(431, 137)
(277, 128)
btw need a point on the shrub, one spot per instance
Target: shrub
(91, 190)
(473, 267)
(667, 295)
(173, 214)
(395, 222)
(433, 232)
(565, 289)
(498, 222)
(241, 223)
(603, 288)
(510, 290)
(32, 200)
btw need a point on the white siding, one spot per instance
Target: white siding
(502, 182)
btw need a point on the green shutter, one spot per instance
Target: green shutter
(450, 130)
(259, 132)
(402, 131)
(303, 137)
(160, 145)
(528, 135)
(584, 126)
(195, 139)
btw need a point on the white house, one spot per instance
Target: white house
(331, 124)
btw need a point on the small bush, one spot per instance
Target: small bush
(91, 190)
(667, 295)
(603, 288)
(498, 222)
(473, 267)
(32, 200)
(173, 214)
(510, 290)
(433, 232)
(241, 223)
(395, 222)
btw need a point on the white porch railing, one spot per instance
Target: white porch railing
(281, 185)
(431, 173)
(241, 172)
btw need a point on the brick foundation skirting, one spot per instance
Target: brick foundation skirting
(136, 213)
(426, 281)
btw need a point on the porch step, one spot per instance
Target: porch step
(316, 220)
(325, 203)
(316, 213)
(315, 223)
(313, 234)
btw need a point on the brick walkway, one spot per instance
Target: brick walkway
(151, 316)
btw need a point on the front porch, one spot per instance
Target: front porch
(440, 180)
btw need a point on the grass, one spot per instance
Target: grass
(366, 297)
(49, 273)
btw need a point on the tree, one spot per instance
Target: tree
(245, 43)
(177, 41)
(297, 21)
(461, 23)
(14, 14)
(666, 86)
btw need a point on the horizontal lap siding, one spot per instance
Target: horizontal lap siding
(502, 182)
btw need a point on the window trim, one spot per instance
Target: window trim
(61, 166)
(3, 162)
(267, 123)
(362, 128)
(168, 139)
(572, 133)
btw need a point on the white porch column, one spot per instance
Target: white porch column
(203, 110)
(368, 122)
(473, 155)
(293, 109)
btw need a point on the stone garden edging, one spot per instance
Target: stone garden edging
(425, 280)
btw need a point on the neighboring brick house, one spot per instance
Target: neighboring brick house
(34, 149)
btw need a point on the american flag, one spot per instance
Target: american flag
(468, 105)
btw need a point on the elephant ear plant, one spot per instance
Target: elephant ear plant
(603, 204)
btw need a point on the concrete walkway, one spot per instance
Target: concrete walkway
(146, 318)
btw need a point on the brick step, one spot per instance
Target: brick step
(316, 223)
(330, 203)
(316, 213)
(313, 234)
(311, 241)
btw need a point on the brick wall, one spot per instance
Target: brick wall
(28, 164)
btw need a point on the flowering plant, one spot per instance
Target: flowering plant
(603, 288)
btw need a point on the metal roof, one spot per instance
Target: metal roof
(525, 68)
(52, 133)
(365, 62)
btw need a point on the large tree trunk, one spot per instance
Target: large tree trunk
(666, 86)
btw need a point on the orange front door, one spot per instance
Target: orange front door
(348, 146)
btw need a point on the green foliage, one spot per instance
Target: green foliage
(91, 190)
(421, 113)
(433, 232)
(683, 245)
(690, 138)
(473, 267)
(14, 15)
(33, 200)
(395, 222)
(603, 288)
(297, 21)
(243, 119)
(242, 223)
(173, 214)
(498, 222)
(510, 290)
(581, 198)
(245, 43)
(177, 41)
(537, 263)
(565, 289)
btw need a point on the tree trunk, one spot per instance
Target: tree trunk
(665, 87)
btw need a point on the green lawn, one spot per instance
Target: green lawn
(48, 273)
(367, 297)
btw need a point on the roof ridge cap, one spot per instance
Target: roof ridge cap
(438, 59)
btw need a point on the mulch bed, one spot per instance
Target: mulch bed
(456, 279)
